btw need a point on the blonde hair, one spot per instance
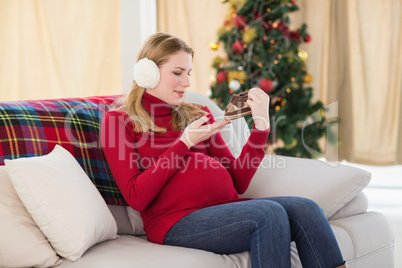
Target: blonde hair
(159, 47)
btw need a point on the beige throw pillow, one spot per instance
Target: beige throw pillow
(63, 201)
(330, 185)
(22, 244)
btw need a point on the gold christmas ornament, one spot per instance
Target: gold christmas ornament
(238, 75)
(303, 55)
(249, 35)
(218, 61)
(308, 78)
(214, 45)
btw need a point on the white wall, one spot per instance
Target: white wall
(137, 22)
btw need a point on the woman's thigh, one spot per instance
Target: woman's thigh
(227, 228)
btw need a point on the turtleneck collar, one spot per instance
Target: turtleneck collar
(155, 106)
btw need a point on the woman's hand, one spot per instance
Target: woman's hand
(196, 132)
(258, 101)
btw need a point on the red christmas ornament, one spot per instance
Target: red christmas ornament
(286, 31)
(238, 47)
(295, 36)
(293, 2)
(281, 26)
(221, 77)
(266, 85)
(307, 38)
(239, 22)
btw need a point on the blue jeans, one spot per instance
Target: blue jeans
(264, 226)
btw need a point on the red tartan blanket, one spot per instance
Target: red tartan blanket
(33, 128)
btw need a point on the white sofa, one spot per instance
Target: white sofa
(365, 238)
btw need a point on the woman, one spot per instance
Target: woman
(171, 164)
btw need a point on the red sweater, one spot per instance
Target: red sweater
(163, 179)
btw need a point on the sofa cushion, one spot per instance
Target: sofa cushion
(132, 251)
(33, 128)
(20, 236)
(62, 201)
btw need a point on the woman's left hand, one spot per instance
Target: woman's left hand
(258, 101)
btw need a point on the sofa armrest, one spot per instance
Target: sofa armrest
(330, 185)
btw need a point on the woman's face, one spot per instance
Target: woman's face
(174, 79)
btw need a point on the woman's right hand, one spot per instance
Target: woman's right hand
(197, 132)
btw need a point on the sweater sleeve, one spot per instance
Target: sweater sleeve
(245, 166)
(138, 187)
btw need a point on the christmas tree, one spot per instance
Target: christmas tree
(262, 51)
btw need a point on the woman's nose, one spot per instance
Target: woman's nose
(186, 81)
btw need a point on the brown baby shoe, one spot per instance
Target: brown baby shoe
(237, 107)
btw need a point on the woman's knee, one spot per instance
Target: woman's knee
(309, 205)
(301, 207)
(266, 211)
